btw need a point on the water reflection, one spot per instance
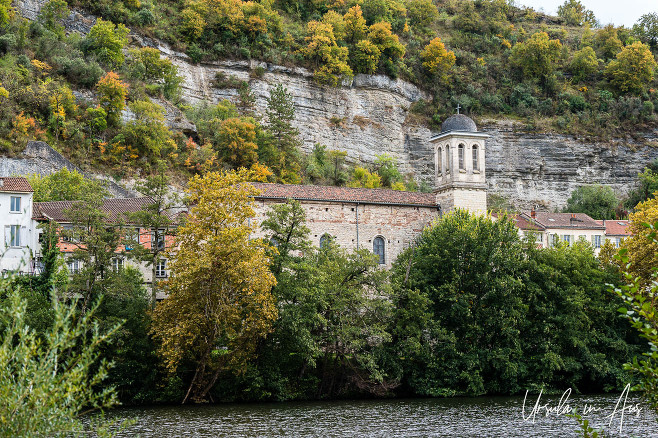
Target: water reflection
(456, 417)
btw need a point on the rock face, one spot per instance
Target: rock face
(39, 158)
(370, 116)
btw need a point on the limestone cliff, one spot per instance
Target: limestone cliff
(370, 116)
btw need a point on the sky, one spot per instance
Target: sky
(624, 12)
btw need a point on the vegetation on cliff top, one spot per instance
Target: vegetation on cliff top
(102, 102)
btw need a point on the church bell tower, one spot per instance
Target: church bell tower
(460, 174)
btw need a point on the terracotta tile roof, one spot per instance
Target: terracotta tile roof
(564, 220)
(115, 209)
(344, 194)
(18, 184)
(526, 223)
(616, 227)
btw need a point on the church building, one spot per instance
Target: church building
(387, 221)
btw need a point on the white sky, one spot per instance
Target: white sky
(624, 12)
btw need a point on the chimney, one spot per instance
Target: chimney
(533, 213)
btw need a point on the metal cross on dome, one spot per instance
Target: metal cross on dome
(458, 107)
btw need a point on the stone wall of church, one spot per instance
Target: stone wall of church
(398, 225)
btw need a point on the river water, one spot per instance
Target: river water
(453, 417)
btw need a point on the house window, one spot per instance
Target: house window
(596, 241)
(378, 248)
(15, 235)
(117, 264)
(617, 242)
(324, 240)
(73, 265)
(161, 268)
(566, 238)
(476, 158)
(15, 204)
(160, 239)
(460, 151)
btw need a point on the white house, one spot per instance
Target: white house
(21, 236)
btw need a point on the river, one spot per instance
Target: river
(452, 417)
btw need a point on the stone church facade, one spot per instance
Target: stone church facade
(387, 221)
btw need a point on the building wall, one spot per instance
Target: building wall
(473, 200)
(396, 224)
(17, 258)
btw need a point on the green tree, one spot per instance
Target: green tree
(52, 14)
(387, 169)
(150, 67)
(147, 132)
(95, 243)
(648, 185)
(6, 12)
(575, 14)
(537, 57)
(422, 14)
(632, 69)
(280, 115)
(597, 201)
(47, 382)
(456, 329)
(285, 227)
(365, 57)
(106, 42)
(607, 42)
(646, 29)
(219, 303)
(158, 219)
(583, 64)
(64, 185)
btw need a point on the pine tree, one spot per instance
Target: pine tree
(280, 114)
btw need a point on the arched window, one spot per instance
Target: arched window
(476, 157)
(460, 150)
(378, 248)
(448, 159)
(324, 240)
(439, 161)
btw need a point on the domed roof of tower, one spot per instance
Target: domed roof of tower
(459, 122)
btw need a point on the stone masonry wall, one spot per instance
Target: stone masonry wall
(397, 225)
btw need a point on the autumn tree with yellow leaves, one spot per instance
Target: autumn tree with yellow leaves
(436, 59)
(642, 251)
(219, 304)
(632, 69)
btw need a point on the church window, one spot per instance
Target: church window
(324, 240)
(460, 150)
(439, 161)
(448, 159)
(476, 158)
(378, 248)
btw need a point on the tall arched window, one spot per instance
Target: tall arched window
(378, 248)
(439, 161)
(476, 157)
(448, 159)
(324, 240)
(460, 151)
